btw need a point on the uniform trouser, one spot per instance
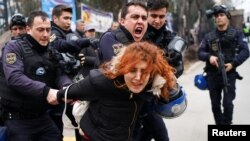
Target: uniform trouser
(224, 116)
(37, 129)
(151, 126)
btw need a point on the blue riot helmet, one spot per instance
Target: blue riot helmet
(200, 81)
(176, 49)
(177, 44)
(176, 105)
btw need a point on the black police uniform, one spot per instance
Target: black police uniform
(69, 44)
(235, 51)
(112, 41)
(60, 43)
(29, 72)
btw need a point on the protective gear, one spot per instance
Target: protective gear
(17, 19)
(177, 44)
(200, 81)
(218, 9)
(175, 107)
(36, 67)
(176, 48)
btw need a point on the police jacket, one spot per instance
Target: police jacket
(91, 60)
(112, 41)
(60, 42)
(112, 111)
(30, 73)
(234, 48)
(162, 37)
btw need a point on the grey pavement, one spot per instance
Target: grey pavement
(192, 125)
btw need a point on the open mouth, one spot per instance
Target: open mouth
(138, 31)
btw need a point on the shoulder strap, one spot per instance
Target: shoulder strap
(26, 49)
(121, 37)
(231, 33)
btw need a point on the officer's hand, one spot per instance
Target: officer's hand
(52, 97)
(81, 58)
(214, 60)
(94, 43)
(228, 66)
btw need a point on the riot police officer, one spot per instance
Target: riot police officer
(31, 77)
(17, 25)
(228, 44)
(69, 45)
(158, 34)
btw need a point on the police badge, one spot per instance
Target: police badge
(117, 48)
(214, 47)
(11, 58)
(52, 38)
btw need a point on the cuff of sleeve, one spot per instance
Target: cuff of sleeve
(234, 64)
(46, 91)
(60, 95)
(208, 57)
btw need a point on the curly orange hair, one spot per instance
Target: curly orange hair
(132, 54)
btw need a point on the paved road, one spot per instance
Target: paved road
(192, 125)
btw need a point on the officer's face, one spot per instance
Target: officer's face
(221, 20)
(137, 79)
(63, 21)
(17, 30)
(135, 22)
(40, 30)
(157, 18)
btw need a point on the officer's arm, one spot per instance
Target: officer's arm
(243, 52)
(13, 68)
(62, 79)
(73, 46)
(106, 43)
(203, 51)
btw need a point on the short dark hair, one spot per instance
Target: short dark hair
(157, 4)
(58, 9)
(34, 14)
(124, 10)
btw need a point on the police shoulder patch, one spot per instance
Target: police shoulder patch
(52, 37)
(117, 48)
(11, 58)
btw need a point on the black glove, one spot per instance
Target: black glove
(94, 43)
(81, 58)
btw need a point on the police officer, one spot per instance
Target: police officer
(32, 76)
(17, 25)
(63, 38)
(157, 33)
(235, 51)
(69, 44)
(133, 25)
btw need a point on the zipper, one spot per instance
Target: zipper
(135, 111)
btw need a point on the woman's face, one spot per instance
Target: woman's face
(137, 78)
